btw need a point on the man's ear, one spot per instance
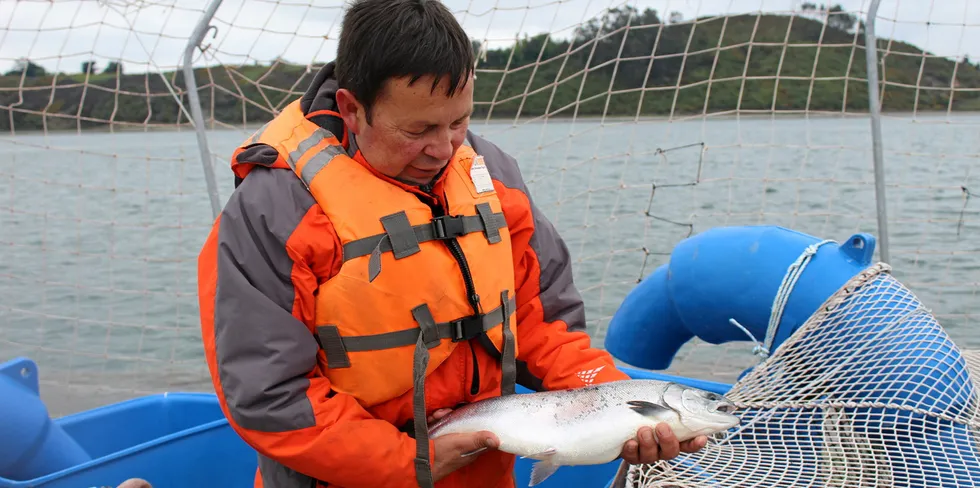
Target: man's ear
(350, 110)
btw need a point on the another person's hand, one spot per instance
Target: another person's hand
(646, 450)
(135, 483)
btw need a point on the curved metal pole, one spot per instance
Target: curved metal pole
(195, 102)
(871, 57)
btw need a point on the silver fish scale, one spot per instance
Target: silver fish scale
(585, 403)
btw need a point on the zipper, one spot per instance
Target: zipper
(475, 385)
(474, 298)
(457, 251)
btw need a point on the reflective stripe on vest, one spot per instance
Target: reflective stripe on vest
(310, 150)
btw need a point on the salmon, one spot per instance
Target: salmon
(588, 425)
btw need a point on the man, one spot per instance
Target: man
(379, 265)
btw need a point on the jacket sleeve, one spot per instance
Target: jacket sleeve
(554, 349)
(257, 273)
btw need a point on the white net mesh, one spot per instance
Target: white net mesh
(102, 209)
(635, 123)
(869, 392)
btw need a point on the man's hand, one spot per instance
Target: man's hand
(453, 451)
(645, 449)
(438, 414)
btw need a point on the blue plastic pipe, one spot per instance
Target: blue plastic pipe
(31, 445)
(728, 273)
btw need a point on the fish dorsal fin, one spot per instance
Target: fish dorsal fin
(648, 409)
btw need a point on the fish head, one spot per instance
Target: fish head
(700, 412)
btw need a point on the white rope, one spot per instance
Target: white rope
(793, 273)
(759, 349)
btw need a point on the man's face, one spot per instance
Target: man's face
(414, 130)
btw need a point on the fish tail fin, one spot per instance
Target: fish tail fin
(541, 470)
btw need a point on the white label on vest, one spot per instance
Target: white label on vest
(480, 175)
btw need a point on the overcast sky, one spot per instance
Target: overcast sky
(151, 34)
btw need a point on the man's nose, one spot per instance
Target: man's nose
(441, 145)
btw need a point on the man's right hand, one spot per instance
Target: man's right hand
(450, 450)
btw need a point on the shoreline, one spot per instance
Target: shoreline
(497, 121)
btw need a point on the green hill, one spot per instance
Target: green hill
(744, 62)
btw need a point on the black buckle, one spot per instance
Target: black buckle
(447, 227)
(466, 328)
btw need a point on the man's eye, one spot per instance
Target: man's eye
(460, 122)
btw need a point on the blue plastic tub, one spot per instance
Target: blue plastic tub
(170, 440)
(183, 440)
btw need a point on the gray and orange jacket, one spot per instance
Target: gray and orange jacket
(340, 307)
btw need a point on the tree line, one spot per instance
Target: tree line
(626, 63)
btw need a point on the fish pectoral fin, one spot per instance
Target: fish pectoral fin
(475, 451)
(541, 470)
(648, 409)
(543, 454)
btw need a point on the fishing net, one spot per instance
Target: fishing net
(870, 391)
(636, 124)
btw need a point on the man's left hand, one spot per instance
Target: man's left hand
(438, 415)
(646, 450)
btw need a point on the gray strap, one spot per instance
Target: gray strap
(337, 348)
(489, 222)
(399, 238)
(508, 361)
(428, 231)
(400, 234)
(333, 346)
(423, 465)
(278, 475)
(407, 337)
(374, 262)
(427, 326)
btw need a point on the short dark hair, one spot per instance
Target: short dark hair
(382, 39)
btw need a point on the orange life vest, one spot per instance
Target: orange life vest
(402, 270)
